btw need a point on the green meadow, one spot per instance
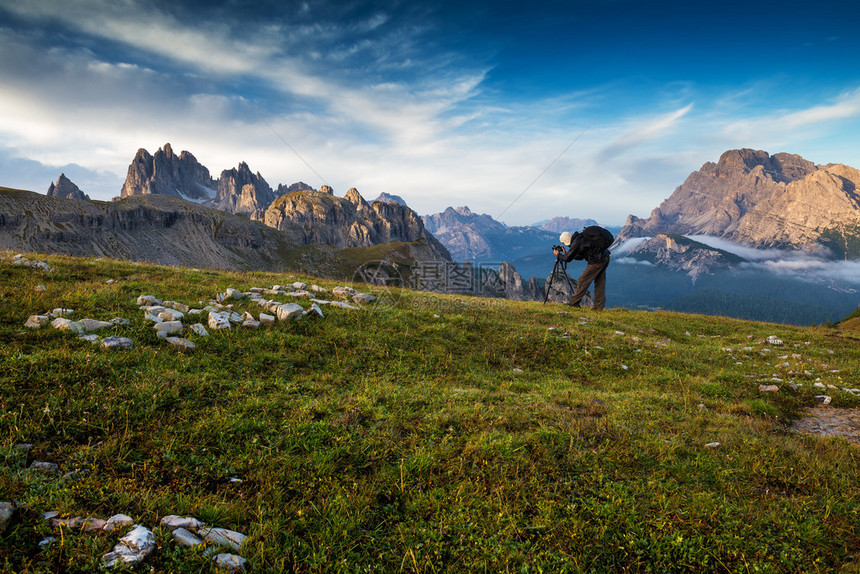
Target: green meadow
(422, 433)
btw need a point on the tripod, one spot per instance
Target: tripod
(559, 265)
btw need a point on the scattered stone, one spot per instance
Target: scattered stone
(48, 467)
(341, 304)
(181, 307)
(266, 319)
(92, 338)
(768, 388)
(59, 312)
(316, 311)
(299, 286)
(199, 329)
(45, 542)
(70, 523)
(93, 325)
(318, 289)
(517, 370)
(251, 324)
(343, 292)
(712, 445)
(773, 340)
(40, 289)
(186, 538)
(114, 343)
(218, 321)
(37, 321)
(823, 399)
(181, 345)
(63, 324)
(235, 318)
(132, 548)
(50, 514)
(7, 513)
(233, 294)
(289, 311)
(173, 521)
(117, 521)
(171, 315)
(222, 537)
(148, 300)
(91, 524)
(168, 328)
(230, 563)
(363, 298)
(120, 321)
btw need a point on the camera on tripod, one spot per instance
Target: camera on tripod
(558, 248)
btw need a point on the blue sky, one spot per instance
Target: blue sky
(521, 110)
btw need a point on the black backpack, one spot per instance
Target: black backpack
(598, 237)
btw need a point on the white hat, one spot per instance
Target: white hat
(565, 238)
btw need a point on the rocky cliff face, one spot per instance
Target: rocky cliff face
(322, 217)
(65, 189)
(679, 253)
(165, 173)
(243, 192)
(559, 224)
(153, 227)
(761, 200)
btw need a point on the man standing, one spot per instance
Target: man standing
(592, 245)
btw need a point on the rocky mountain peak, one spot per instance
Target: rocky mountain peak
(751, 197)
(464, 211)
(66, 189)
(243, 192)
(355, 198)
(165, 173)
(389, 198)
(327, 189)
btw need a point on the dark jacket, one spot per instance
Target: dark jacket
(581, 249)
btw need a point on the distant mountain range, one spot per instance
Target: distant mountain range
(171, 210)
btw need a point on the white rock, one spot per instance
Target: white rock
(40, 289)
(132, 548)
(318, 289)
(230, 563)
(343, 292)
(186, 538)
(342, 305)
(235, 318)
(171, 315)
(222, 537)
(168, 328)
(117, 521)
(117, 343)
(251, 324)
(823, 399)
(363, 298)
(768, 388)
(289, 311)
(94, 325)
(299, 286)
(181, 307)
(120, 321)
(48, 467)
(173, 521)
(92, 338)
(247, 316)
(218, 321)
(63, 324)
(266, 319)
(37, 321)
(233, 294)
(181, 345)
(148, 300)
(712, 445)
(199, 329)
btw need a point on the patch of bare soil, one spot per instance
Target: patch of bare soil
(827, 421)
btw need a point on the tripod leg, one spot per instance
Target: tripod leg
(549, 283)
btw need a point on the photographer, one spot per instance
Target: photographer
(592, 245)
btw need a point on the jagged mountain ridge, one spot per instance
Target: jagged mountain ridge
(760, 200)
(679, 253)
(478, 237)
(66, 189)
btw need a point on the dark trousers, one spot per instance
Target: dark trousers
(595, 272)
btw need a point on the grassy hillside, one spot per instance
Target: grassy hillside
(426, 433)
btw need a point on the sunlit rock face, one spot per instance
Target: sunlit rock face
(761, 200)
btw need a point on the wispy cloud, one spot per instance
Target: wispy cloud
(645, 130)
